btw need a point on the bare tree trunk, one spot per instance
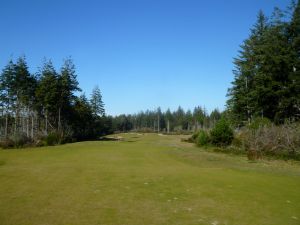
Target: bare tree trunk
(15, 132)
(27, 125)
(59, 122)
(168, 126)
(158, 128)
(32, 125)
(6, 125)
(23, 123)
(46, 123)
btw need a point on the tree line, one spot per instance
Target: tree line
(168, 121)
(47, 106)
(267, 70)
(34, 106)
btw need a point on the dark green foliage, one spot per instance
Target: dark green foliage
(222, 133)
(202, 138)
(267, 79)
(67, 87)
(47, 91)
(53, 138)
(96, 102)
(195, 136)
(258, 123)
(43, 109)
(178, 121)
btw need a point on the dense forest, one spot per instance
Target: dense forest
(168, 121)
(267, 70)
(44, 106)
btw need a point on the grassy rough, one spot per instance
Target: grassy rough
(144, 179)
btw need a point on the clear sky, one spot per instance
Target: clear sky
(142, 53)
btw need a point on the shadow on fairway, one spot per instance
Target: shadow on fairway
(108, 139)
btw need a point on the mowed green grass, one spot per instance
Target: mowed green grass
(144, 180)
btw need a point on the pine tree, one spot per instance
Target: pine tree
(68, 85)
(277, 66)
(199, 115)
(48, 95)
(243, 99)
(266, 79)
(96, 102)
(7, 84)
(25, 87)
(83, 122)
(24, 82)
(294, 88)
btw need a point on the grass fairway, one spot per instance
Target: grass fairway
(144, 180)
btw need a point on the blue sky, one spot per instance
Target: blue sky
(142, 53)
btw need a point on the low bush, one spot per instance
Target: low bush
(194, 137)
(276, 141)
(16, 141)
(202, 138)
(53, 138)
(7, 143)
(21, 140)
(222, 133)
(259, 123)
(191, 139)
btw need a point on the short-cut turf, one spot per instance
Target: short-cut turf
(144, 180)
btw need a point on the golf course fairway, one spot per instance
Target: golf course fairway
(144, 179)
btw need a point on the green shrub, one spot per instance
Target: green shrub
(258, 123)
(53, 139)
(192, 139)
(195, 137)
(202, 138)
(221, 134)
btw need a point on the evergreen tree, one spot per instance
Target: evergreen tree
(277, 66)
(24, 82)
(45, 106)
(83, 121)
(242, 101)
(25, 86)
(266, 82)
(96, 102)
(7, 84)
(199, 115)
(294, 88)
(68, 85)
(48, 95)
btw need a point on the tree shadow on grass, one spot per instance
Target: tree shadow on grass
(108, 139)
